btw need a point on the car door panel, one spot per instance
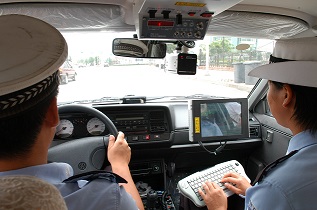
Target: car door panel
(275, 140)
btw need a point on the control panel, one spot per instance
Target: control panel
(176, 20)
(151, 124)
(177, 28)
(142, 126)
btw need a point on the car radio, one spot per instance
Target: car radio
(145, 126)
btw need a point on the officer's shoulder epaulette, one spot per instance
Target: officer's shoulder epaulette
(92, 175)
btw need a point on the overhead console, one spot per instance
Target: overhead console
(178, 20)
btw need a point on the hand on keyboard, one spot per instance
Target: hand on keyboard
(190, 185)
(214, 196)
(236, 183)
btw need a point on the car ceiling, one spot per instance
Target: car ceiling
(250, 18)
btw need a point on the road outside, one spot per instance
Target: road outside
(143, 80)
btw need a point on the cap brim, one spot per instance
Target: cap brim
(303, 73)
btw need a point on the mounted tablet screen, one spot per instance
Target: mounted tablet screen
(218, 119)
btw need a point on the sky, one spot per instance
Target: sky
(83, 45)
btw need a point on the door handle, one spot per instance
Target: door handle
(269, 136)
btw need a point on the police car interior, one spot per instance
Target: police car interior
(173, 76)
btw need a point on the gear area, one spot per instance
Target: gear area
(155, 199)
(151, 178)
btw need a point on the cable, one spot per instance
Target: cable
(216, 151)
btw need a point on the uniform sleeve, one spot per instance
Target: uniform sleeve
(99, 194)
(126, 200)
(266, 196)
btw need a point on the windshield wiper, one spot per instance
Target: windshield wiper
(171, 98)
(107, 99)
(94, 101)
(201, 96)
(131, 99)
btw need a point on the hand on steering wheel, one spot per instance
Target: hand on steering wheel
(85, 154)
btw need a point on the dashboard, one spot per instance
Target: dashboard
(159, 123)
(139, 123)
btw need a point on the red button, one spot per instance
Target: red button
(191, 13)
(207, 14)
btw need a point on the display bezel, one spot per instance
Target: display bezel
(195, 120)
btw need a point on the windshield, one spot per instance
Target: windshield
(94, 72)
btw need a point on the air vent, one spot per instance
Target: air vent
(157, 123)
(254, 131)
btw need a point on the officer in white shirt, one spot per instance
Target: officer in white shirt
(290, 182)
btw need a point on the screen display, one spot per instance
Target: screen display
(218, 119)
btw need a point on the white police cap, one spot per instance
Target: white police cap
(31, 51)
(129, 47)
(294, 61)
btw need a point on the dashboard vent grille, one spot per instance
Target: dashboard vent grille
(157, 122)
(254, 131)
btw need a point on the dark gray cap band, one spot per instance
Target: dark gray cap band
(17, 102)
(277, 60)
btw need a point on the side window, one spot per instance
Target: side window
(262, 107)
(66, 65)
(267, 108)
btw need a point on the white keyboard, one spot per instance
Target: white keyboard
(189, 185)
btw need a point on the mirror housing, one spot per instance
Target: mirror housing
(129, 47)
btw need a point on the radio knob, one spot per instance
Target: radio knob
(156, 168)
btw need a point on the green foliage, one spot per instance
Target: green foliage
(220, 46)
(170, 48)
(91, 61)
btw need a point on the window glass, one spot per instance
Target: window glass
(267, 109)
(221, 69)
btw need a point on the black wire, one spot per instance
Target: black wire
(216, 151)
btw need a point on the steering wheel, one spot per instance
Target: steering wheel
(84, 154)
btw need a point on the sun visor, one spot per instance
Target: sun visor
(74, 17)
(257, 25)
(80, 17)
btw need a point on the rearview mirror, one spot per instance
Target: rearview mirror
(135, 48)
